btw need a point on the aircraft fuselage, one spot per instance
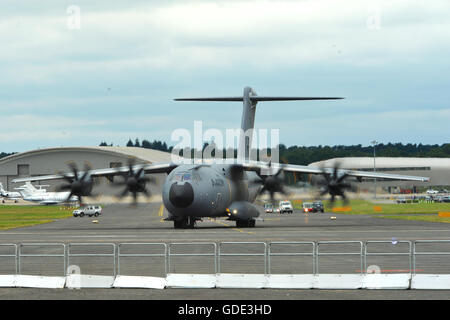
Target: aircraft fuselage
(205, 190)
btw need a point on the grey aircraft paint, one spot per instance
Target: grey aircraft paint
(194, 191)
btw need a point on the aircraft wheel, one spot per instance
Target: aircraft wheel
(191, 222)
(245, 223)
(184, 223)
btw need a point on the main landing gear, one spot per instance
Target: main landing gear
(185, 223)
(245, 223)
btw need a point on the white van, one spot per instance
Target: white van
(286, 206)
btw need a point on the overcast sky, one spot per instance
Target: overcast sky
(75, 73)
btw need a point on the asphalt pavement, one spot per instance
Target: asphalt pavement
(120, 223)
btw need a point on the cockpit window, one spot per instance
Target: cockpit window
(182, 176)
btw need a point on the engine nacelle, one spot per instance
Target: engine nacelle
(242, 210)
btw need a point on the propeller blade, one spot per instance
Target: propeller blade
(134, 182)
(64, 187)
(273, 183)
(135, 198)
(73, 167)
(87, 168)
(333, 196)
(69, 180)
(334, 184)
(272, 193)
(335, 172)
(78, 186)
(122, 194)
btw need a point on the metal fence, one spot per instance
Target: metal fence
(192, 257)
(158, 259)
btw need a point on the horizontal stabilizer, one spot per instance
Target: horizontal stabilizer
(262, 98)
(258, 98)
(212, 99)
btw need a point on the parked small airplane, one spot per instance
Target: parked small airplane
(31, 193)
(10, 195)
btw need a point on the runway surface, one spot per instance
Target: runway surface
(122, 224)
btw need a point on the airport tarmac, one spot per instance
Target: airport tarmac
(121, 224)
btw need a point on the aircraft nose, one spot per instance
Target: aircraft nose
(181, 195)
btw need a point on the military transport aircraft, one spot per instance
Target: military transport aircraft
(222, 189)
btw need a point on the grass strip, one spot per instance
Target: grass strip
(418, 217)
(23, 216)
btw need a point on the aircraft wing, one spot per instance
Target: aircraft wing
(107, 172)
(274, 167)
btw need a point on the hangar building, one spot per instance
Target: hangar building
(53, 160)
(437, 169)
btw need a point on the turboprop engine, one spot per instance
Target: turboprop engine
(243, 212)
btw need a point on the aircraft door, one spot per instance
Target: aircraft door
(218, 202)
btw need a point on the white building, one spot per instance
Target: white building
(437, 169)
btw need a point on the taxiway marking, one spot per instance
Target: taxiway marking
(227, 225)
(160, 213)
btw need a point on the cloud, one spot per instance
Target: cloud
(120, 71)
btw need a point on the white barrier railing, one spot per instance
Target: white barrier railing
(260, 254)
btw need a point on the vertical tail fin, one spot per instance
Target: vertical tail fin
(247, 123)
(249, 100)
(27, 190)
(30, 187)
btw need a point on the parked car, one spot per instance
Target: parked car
(286, 206)
(401, 200)
(88, 210)
(445, 199)
(268, 208)
(318, 206)
(308, 207)
(431, 191)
